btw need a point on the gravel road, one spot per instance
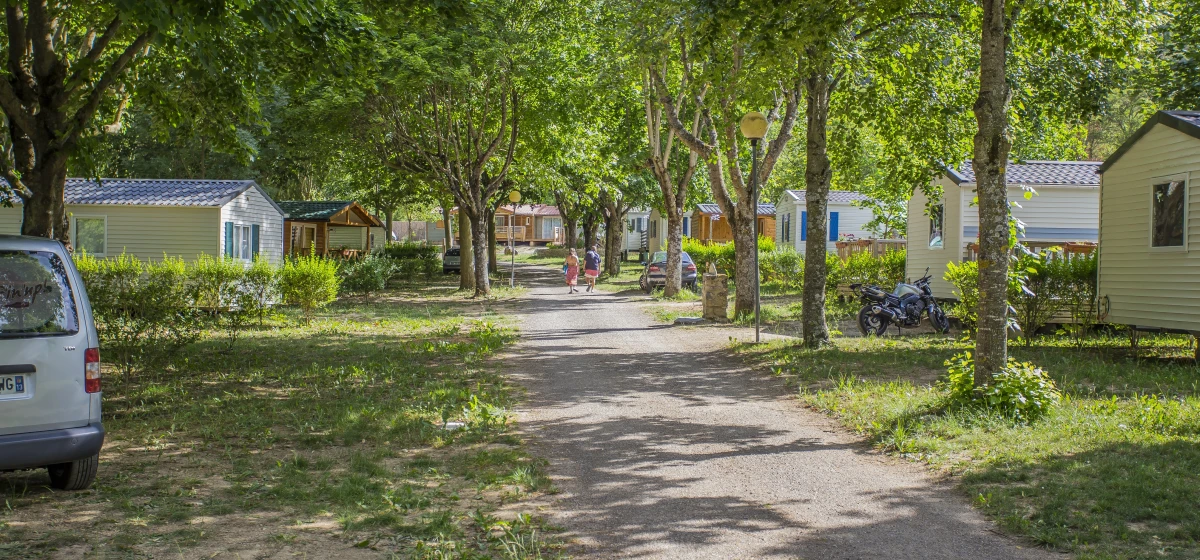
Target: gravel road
(665, 446)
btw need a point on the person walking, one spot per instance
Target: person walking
(571, 270)
(591, 267)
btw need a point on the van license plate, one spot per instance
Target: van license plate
(12, 384)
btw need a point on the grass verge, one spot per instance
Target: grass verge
(380, 429)
(1112, 472)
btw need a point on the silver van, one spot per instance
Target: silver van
(49, 365)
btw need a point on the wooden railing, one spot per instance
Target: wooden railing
(518, 233)
(1069, 251)
(876, 247)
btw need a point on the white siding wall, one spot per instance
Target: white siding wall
(1073, 211)
(250, 208)
(380, 238)
(851, 220)
(785, 206)
(919, 254)
(1144, 287)
(633, 239)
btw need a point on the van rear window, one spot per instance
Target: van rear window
(35, 295)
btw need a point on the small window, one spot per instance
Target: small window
(937, 221)
(242, 246)
(1167, 207)
(91, 235)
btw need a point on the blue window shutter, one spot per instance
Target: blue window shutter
(687, 226)
(833, 226)
(228, 239)
(804, 226)
(254, 238)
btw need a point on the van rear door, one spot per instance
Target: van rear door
(42, 345)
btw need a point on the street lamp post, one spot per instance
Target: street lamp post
(754, 127)
(514, 197)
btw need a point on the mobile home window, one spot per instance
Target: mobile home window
(937, 221)
(1167, 214)
(91, 235)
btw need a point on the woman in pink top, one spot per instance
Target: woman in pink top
(571, 268)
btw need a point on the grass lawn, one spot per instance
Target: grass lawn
(379, 430)
(1112, 472)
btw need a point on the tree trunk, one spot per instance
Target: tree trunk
(674, 280)
(387, 226)
(466, 258)
(491, 229)
(479, 232)
(44, 214)
(992, 145)
(614, 240)
(817, 175)
(591, 223)
(570, 233)
(743, 257)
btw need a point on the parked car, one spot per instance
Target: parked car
(654, 272)
(451, 260)
(49, 365)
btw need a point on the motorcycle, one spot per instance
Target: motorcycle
(903, 307)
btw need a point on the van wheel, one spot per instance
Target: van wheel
(76, 475)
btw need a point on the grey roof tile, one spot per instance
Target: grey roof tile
(1073, 173)
(154, 192)
(841, 197)
(764, 209)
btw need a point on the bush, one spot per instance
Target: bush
(784, 267)
(892, 267)
(369, 275)
(1021, 390)
(835, 271)
(404, 251)
(309, 282)
(721, 255)
(261, 282)
(964, 277)
(1035, 291)
(215, 283)
(143, 311)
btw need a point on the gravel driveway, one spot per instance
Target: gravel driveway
(665, 446)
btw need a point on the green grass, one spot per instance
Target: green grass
(346, 420)
(1112, 472)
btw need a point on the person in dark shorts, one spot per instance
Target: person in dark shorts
(591, 267)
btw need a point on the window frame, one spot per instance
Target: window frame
(1154, 182)
(75, 231)
(941, 206)
(243, 233)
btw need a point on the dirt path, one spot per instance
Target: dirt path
(664, 446)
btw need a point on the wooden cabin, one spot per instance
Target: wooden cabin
(332, 227)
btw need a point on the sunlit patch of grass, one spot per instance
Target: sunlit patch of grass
(346, 418)
(1112, 472)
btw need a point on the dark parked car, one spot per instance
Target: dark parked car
(654, 275)
(451, 260)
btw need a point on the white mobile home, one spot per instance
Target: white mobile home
(149, 218)
(637, 221)
(845, 219)
(1065, 208)
(656, 234)
(1149, 259)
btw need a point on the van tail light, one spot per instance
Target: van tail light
(91, 370)
(653, 268)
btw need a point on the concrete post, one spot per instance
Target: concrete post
(715, 295)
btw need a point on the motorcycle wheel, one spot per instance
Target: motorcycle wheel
(939, 321)
(870, 323)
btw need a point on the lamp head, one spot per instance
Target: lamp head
(754, 125)
(514, 197)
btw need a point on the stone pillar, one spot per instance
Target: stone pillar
(715, 295)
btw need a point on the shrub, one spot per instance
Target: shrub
(1035, 291)
(262, 283)
(1021, 390)
(370, 274)
(215, 283)
(720, 255)
(835, 271)
(143, 311)
(309, 282)
(783, 266)
(964, 277)
(892, 267)
(405, 250)
(1078, 277)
